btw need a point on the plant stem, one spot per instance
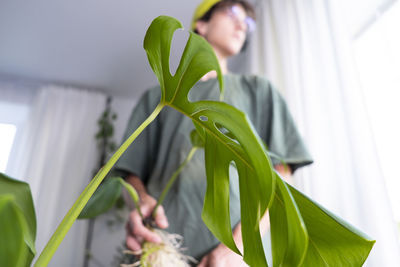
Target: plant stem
(80, 203)
(173, 178)
(133, 194)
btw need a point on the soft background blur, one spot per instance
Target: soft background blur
(336, 62)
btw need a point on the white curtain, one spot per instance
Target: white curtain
(56, 156)
(302, 47)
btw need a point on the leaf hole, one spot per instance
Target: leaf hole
(226, 132)
(203, 118)
(178, 43)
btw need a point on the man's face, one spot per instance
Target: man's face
(226, 30)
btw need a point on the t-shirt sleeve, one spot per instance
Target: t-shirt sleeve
(281, 135)
(139, 158)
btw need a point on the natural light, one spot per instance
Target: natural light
(377, 56)
(7, 134)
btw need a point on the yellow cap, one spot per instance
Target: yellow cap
(202, 9)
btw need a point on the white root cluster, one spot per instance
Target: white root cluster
(166, 254)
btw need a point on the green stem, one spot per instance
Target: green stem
(134, 195)
(80, 203)
(173, 178)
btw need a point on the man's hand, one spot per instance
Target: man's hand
(136, 232)
(222, 256)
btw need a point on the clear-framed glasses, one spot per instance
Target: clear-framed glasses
(234, 14)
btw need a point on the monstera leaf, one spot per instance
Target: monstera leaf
(17, 223)
(242, 145)
(229, 137)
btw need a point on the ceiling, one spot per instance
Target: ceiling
(89, 44)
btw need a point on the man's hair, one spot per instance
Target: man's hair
(248, 8)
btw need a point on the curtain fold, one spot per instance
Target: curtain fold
(303, 49)
(57, 156)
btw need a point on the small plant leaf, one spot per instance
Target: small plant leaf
(103, 198)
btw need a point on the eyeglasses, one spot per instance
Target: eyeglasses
(233, 13)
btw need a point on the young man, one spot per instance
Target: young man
(158, 151)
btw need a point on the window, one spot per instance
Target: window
(377, 56)
(13, 116)
(7, 134)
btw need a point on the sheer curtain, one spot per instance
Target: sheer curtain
(56, 155)
(302, 48)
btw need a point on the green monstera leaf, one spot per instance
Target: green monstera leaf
(17, 220)
(241, 146)
(229, 137)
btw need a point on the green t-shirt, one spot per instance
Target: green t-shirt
(159, 150)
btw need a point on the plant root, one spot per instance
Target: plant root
(166, 254)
